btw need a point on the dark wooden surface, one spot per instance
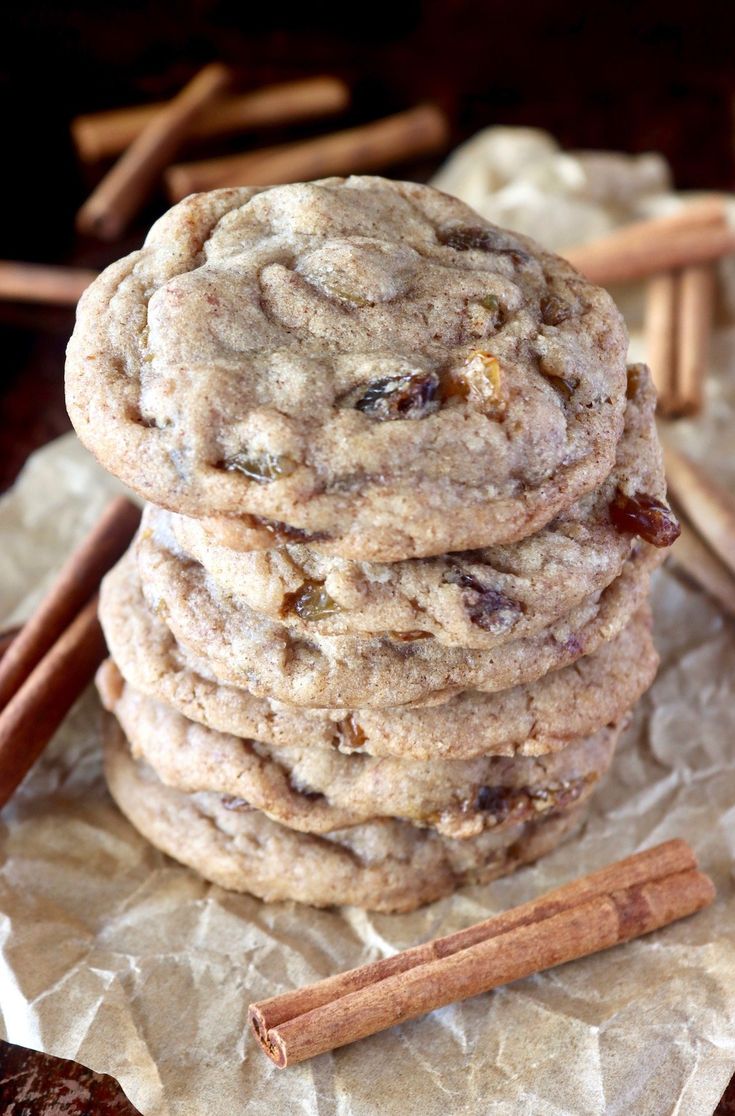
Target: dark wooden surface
(652, 76)
(33, 1084)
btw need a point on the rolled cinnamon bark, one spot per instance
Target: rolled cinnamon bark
(661, 332)
(6, 638)
(117, 198)
(75, 583)
(406, 135)
(697, 233)
(31, 282)
(695, 313)
(699, 563)
(100, 135)
(36, 710)
(710, 508)
(622, 901)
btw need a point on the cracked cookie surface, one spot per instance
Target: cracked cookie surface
(475, 598)
(320, 789)
(385, 865)
(532, 719)
(244, 648)
(363, 361)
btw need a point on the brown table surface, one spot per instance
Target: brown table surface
(590, 78)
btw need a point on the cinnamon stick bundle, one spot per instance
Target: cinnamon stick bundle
(418, 131)
(117, 198)
(53, 658)
(33, 714)
(76, 581)
(709, 506)
(697, 233)
(696, 300)
(699, 563)
(620, 902)
(679, 318)
(99, 135)
(660, 328)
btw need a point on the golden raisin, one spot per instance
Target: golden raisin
(490, 302)
(645, 516)
(353, 735)
(262, 468)
(347, 296)
(479, 381)
(311, 602)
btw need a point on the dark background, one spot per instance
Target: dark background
(626, 76)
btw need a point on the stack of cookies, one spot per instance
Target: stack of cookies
(386, 613)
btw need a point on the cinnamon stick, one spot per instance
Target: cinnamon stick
(660, 328)
(33, 714)
(77, 580)
(100, 135)
(393, 139)
(709, 507)
(632, 897)
(6, 638)
(117, 198)
(697, 233)
(30, 282)
(695, 315)
(702, 566)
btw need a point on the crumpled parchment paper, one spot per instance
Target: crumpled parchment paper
(113, 954)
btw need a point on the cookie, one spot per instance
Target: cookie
(530, 720)
(319, 789)
(367, 363)
(245, 649)
(382, 866)
(473, 599)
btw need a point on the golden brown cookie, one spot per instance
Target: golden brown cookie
(365, 361)
(382, 866)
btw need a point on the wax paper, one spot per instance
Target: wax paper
(115, 955)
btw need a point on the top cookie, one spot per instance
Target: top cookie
(365, 363)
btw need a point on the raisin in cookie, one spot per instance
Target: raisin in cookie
(364, 361)
(318, 790)
(382, 866)
(244, 648)
(530, 720)
(477, 598)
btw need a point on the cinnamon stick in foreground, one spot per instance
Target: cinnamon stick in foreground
(99, 135)
(660, 330)
(75, 583)
(419, 131)
(696, 301)
(31, 282)
(119, 195)
(709, 507)
(33, 714)
(620, 902)
(697, 233)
